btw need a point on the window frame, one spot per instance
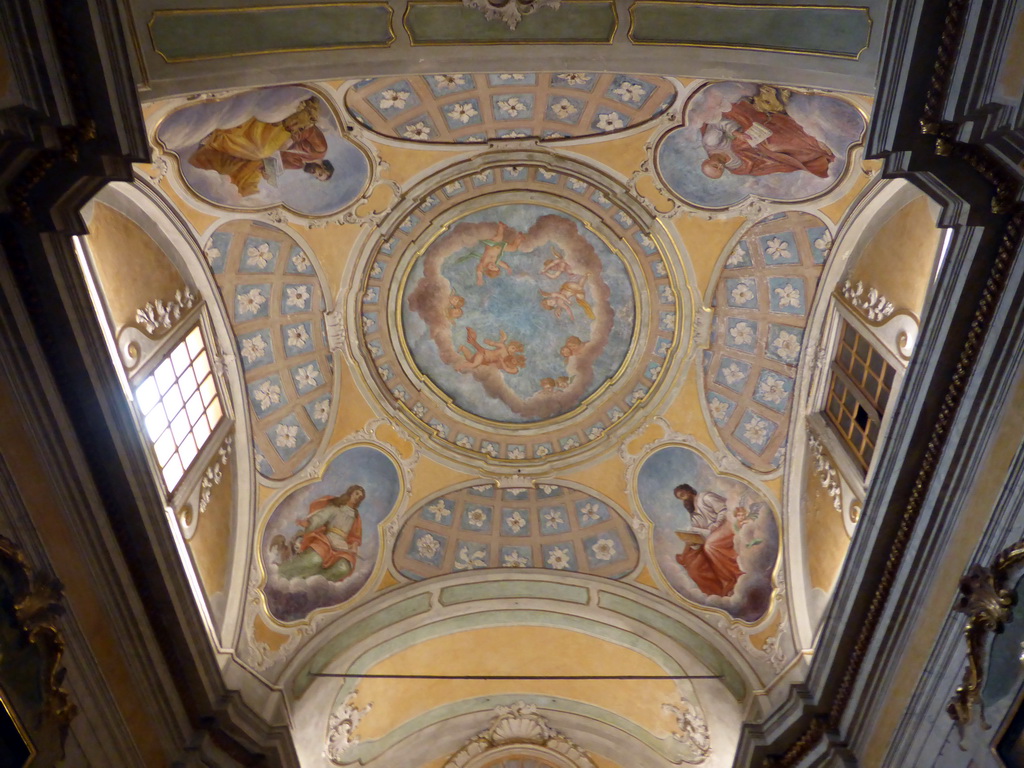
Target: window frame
(197, 317)
(818, 421)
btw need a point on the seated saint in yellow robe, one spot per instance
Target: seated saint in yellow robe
(239, 152)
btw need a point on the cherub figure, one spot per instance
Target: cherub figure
(503, 354)
(455, 305)
(560, 302)
(558, 266)
(491, 263)
(572, 347)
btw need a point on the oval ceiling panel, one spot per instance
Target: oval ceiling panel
(761, 303)
(483, 526)
(475, 108)
(276, 309)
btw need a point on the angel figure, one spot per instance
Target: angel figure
(502, 354)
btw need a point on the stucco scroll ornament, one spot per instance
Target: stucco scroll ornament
(510, 12)
(874, 305)
(519, 724)
(691, 728)
(987, 602)
(256, 653)
(826, 472)
(160, 314)
(341, 727)
(189, 520)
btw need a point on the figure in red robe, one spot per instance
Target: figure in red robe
(330, 544)
(755, 137)
(710, 556)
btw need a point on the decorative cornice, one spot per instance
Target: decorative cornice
(819, 724)
(987, 602)
(1003, 179)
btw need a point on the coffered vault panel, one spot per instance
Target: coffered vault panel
(516, 343)
(550, 526)
(275, 303)
(464, 108)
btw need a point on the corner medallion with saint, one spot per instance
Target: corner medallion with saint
(716, 539)
(320, 545)
(264, 148)
(741, 140)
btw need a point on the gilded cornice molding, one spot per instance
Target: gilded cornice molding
(987, 602)
(1006, 185)
(36, 601)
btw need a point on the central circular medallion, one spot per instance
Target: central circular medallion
(518, 313)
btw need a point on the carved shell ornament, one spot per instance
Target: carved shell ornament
(510, 12)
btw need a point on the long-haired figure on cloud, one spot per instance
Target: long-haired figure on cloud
(331, 541)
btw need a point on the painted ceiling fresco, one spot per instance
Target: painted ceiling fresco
(275, 303)
(475, 108)
(549, 526)
(517, 395)
(761, 302)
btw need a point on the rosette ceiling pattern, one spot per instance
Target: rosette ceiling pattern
(511, 387)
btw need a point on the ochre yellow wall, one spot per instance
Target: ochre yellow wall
(898, 260)
(211, 544)
(509, 651)
(35, 487)
(827, 541)
(131, 268)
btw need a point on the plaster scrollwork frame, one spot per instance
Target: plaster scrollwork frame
(342, 725)
(519, 730)
(754, 206)
(164, 159)
(724, 463)
(510, 12)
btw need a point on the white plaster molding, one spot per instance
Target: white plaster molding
(509, 12)
(691, 728)
(702, 327)
(211, 478)
(826, 472)
(874, 306)
(341, 727)
(518, 724)
(159, 314)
